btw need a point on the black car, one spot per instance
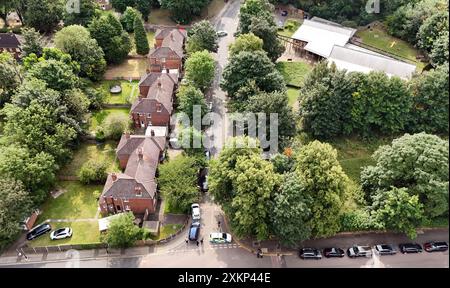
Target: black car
(410, 248)
(194, 231)
(435, 246)
(310, 253)
(38, 231)
(333, 252)
(385, 249)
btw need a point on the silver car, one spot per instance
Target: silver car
(61, 233)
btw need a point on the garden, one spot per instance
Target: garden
(290, 26)
(129, 91)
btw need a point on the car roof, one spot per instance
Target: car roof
(216, 235)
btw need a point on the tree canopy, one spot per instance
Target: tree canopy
(202, 36)
(200, 68)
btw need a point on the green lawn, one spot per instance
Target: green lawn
(354, 154)
(130, 68)
(169, 229)
(87, 151)
(129, 92)
(82, 233)
(290, 26)
(292, 94)
(99, 116)
(379, 38)
(77, 202)
(294, 72)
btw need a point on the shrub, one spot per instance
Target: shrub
(93, 172)
(114, 126)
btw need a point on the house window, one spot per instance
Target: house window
(149, 115)
(158, 108)
(163, 60)
(127, 208)
(118, 208)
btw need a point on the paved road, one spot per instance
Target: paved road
(227, 21)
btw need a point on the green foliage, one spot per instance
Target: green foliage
(10, 73)
(93, 172)
(121, 5)
(85, 16)
(274, 102)
(431, 29)
(380, 104)
(291, 212)
(128, 17)
(178, 182)
(77, 42)
(114, 126)
(191, 141)
(32, 42)
(431, 101)
(416, 162)
(268, 32)
(282, 163)
(440, 51)
(56, 74)
(140, 37)
(202, 36)
(110, 36)
(143, 6)
(188, 97)
(14, 207)
(325, 102)
(246, 42)
(43, 15)
(397, 210)
(251, 66)
(200, 67)
(359, 220)
(253, 182)
(122, 232)
(254, 8)
(183, 11)
(322, 179)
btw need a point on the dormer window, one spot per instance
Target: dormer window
(158, 107)
(138, 191)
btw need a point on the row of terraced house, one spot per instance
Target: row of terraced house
(135, 189)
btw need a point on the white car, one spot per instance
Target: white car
(195, 211)
(219, 237)
(222, 33)
(61, 233)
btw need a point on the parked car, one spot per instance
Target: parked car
(39, 231)
(222, 33)
(359, 251)
(61, 233)
(435, 246)
(333, 252)
(195, 211)
(385, 249)
(219, 237)
(194, 231)
(410, 248)
(310, 253)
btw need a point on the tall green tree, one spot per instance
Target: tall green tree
(254, 182)
(322, 179)
(140, 37)
(122, 232)
(431, 101)
(143, 6)
(431, 29)
(254, 8)
(200, 68)
(77, 42)
(246, 42)
(440, 51)
(14, 207)
(202, 36)
(188, 96)
(291, 212)
(183, 11)
(11, 75)
(178, 182)
(417, 162)
(44, 15)
(32, 42)
(397, 210)
(128, 17)
(121, 5)
(84, 16)
(110, 36)
(268, 32)
(251, 66)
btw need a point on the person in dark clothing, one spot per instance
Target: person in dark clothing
(197, 243)
(201, 241)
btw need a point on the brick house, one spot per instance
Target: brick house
(155, 102)
(10, 43)
(135, 189)
(168, 52)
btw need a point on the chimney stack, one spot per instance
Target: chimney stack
(171, 35)
(147, 70)
(140, 153)
(114, 176)
(159, 84)
(152, 132)
(127, 135)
